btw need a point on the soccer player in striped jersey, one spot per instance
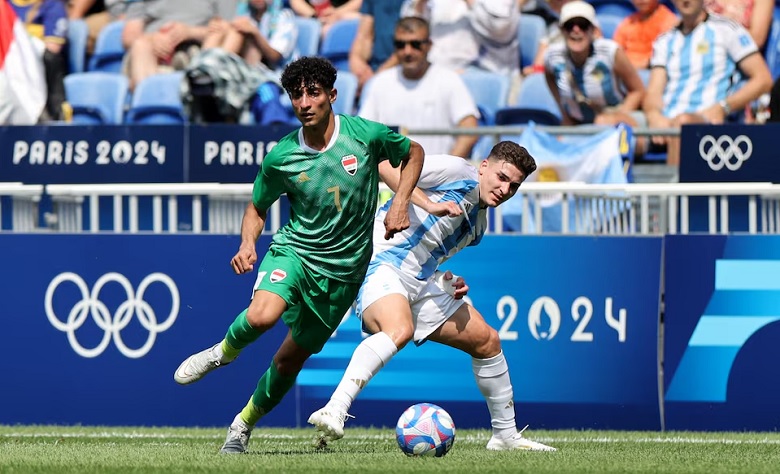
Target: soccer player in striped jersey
(406, 297)
(311, 274)
(692, 72)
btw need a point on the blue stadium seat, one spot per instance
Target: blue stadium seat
(609, 23)
(346, 85)
(532, 29)
(490, 91)
(337, 42)
(619, 8)
(534, 94)
(520, 115)
(156, 100)
(96, 97)
(109, 50)
(308, 42)
(77, 45)
(772, 46)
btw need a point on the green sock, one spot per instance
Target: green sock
(251, 413)
(239, 335)
(271, 389)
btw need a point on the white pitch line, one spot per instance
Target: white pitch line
(467, 438)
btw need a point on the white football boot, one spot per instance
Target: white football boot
(330, 422)
(197, 365)
(237, 441)
(518, 442)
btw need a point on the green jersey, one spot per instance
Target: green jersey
(332, 193)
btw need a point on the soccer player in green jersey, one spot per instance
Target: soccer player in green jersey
(314, 267)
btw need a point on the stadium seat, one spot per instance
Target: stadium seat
(156, 100)
(346, 85)
(308, 41)
(608, 23)
(489, 90)
(520, 115)
(772, 46)
(531, 30)
(109, 50)
(337, 42)
(77, 45)
(534, 94)
(618, 8)
(96, 97)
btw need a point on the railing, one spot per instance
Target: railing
(24, 205)
(584, 208)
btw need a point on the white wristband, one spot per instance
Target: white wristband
(446, 285)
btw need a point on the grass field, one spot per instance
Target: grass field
(58, 449)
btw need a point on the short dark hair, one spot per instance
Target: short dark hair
(410, 24)
(515, 155)
(308, 71)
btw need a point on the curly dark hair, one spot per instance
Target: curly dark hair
(514, 154)
(308, 72)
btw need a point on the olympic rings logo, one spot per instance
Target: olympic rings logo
(91, 305)
(719, 152)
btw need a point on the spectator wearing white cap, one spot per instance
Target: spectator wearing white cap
(591, 78)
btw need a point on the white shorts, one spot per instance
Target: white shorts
(431, 305)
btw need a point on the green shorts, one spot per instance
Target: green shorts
(316, 304)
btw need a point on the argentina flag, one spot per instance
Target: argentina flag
(595, 159)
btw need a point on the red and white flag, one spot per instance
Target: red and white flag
(22, 79)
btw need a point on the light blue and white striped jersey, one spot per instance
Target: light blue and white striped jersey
(430, 240)
(595, 79)
(700, 65)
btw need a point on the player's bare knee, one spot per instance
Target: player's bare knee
(488, 345)
(260, 318)
(401, 335)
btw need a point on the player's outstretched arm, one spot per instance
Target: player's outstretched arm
(397, 218)
(251, 227)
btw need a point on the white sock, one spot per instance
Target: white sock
(492, 377)
(369, 357)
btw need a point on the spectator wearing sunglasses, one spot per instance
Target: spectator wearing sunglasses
(591, 78)
(418, 94)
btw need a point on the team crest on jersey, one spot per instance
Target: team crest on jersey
(349, 163)
(703, 47)
(278, 275)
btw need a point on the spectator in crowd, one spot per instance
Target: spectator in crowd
(495, 24)
(417, 93)
(550, 10)
(327, 12)
(372, 49)
(587, 75)
(636, 33)
(453, 42)
(47, 23)
(754, 15)
(99, 14)
(471, 33)
(165, 34)
(692, 69)
(262, 32)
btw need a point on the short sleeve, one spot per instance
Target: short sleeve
(462, 104)
(267, 187)
(660, 51)
(741, 44)
(385, 143)
(55, 21)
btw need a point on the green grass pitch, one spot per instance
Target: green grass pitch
(58, 449)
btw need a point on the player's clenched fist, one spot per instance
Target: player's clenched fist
(244, 260)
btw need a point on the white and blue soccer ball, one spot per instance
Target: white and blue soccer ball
(425, 429)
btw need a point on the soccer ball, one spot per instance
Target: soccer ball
(425, 429)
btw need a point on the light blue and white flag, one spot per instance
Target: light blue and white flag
(595, 159)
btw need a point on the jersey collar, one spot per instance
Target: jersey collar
(332, 141)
